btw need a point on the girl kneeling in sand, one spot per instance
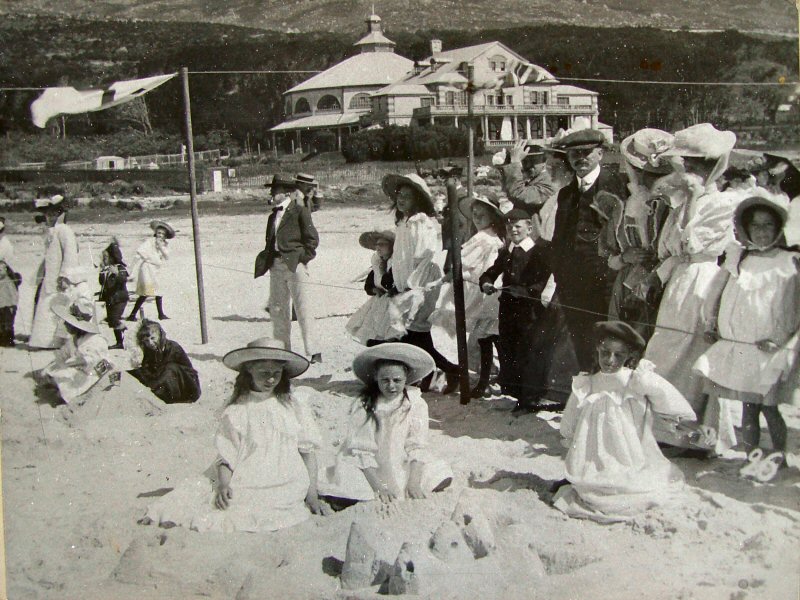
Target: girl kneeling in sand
(266, 471)
(614, 465)
(385, 454)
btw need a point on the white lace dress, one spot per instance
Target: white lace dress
(261, 438)
(614, 465)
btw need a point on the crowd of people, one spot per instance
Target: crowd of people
(638, 303)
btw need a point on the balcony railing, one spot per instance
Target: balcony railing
(501, 109)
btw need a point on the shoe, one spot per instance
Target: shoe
(163, 318)
(316, 358)
(130, 318)
(117, 347)
(452, 382)
(523, 408)
(479, 390)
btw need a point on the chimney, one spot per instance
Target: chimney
(436, 46)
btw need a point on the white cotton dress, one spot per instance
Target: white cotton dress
(73, 369)
(416, 245)
(400, 437)
(261, 439)
(380, 317)
(61, 254)
(694, 236)
(761, 300)
(481, 310)
(614, 465)
(149, 260)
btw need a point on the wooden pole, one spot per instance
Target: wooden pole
(198, 261)
(458, 292)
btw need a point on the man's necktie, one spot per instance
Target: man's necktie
(272, 227)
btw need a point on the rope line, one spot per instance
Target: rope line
(528, 297)
(695, 83)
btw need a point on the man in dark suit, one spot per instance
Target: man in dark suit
(580, 246)
(291, 243)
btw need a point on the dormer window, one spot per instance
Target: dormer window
(498, 64)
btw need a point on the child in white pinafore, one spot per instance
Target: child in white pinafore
(478, 253)
(378, 319)
(755, 322)
(614, 465)
(265, 475)
(385, 455)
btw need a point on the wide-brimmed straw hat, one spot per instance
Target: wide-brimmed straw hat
(392, 182)
(644, 150)
(369, 239)
(761, 197)
(419, 363)
(465, 205)
(702, 141)
(156, 223)
(48, 203)
(266, 348)
(621, 331)
(78, 315)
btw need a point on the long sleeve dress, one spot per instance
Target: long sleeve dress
(614, 465)
(74, 368)
(399, 437)
(694, 236)
(416, 245)
(261, 439)
(149, 260)
(61, 253)
(481, 311)
(761, 300)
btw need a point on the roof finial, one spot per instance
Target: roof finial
(373, 8)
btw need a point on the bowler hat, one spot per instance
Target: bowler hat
(419, 363)
(621, 331)
(267, 349)
(583, 139)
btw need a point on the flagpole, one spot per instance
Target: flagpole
(198, 261)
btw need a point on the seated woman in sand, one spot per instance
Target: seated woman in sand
(265, 477)
(385, 454)
(614, 465)
(83, 359)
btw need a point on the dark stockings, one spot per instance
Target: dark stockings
(486, 346)
(140, 302)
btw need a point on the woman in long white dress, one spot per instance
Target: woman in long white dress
(478, 253)
(150, 257)
(61, 254)
(614, 465)
(265, 475)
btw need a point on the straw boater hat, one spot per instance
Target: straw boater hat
(78, 315)
(369, 239)
(156, 223)
(281, 182)
(267, 349)
(621, 331)
(306, 179)
(466, 203)
(49, 203)
(702, 141)
(761, 197)
(392, 182)
(419, 363)
(644, 148)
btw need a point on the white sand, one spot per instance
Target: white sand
(71, 493)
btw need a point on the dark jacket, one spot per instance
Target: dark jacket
(582, 257)
(387, 283)
(296, 240)
(112, 284)
(526, 192)
(169, 374)
(525, 274)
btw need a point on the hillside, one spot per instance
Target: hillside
(410, 15)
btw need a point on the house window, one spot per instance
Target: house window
(543, 97)
(490, 99)
(510, 100)
(534, 98)
(329, 103)
(427, 102)
(360, 101)
(562, 100)
(497, 64)
(288, 108)
(461, 98)
(302, 106)
(449, 98)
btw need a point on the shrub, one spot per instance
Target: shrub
(396, 142)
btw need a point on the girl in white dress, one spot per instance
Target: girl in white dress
(385, 455)
(754, 322)
(379, 318)
(414, 269)
(265, 475)
(150, 257)
(614, 465)
(481, 310)
(83, 359)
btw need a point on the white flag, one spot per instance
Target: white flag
(69, 101)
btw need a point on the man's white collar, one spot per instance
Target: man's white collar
(525, 244)
(587, 181)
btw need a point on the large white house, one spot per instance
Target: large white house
(529, 104)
